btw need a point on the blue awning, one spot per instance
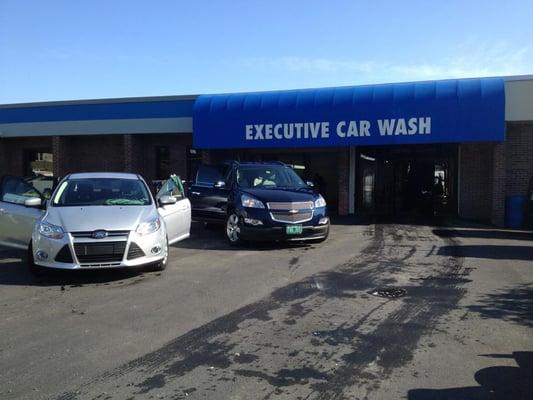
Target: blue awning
(447, 111)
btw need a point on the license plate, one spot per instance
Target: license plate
(294, 229)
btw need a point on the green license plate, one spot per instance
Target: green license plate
(294, 229)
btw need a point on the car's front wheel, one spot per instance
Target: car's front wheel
(233, 229)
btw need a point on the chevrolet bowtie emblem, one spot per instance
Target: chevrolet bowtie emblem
(293, 211)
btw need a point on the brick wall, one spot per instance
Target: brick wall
(497, 216)
(519, 158)
(475, 180)
(59, 148)
(90, 153)
(492, 171)
(119, 153)
(344, 180)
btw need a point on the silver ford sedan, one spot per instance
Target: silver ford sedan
(94, 221)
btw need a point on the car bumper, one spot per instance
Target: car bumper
(278, 233)
(53, 247)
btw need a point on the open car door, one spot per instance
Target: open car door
(20, 207)
(176, 215)
(209, 195)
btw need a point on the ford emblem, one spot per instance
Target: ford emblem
(99, 234)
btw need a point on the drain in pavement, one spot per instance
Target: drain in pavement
(389, 292)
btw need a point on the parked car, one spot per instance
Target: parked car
(94, 221)
(259, 201)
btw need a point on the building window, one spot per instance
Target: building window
(162, 162)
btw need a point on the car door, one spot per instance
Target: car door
(177, 216)
(208, 194)
(17, 220)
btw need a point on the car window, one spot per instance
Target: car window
(172, 187)
(208, 175)
(102, 192)
(268, 177)
(44, 184)
(15, 190)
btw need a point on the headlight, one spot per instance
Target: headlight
(51, 231)
(251, 202)
(145, 228)
(320, 202)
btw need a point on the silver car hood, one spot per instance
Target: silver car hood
(91, 218)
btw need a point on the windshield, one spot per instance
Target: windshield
(102, 192)
(268, 177)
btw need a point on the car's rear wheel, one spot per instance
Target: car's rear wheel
(233, 229)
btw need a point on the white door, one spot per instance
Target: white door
(16, 220)
(177, 216)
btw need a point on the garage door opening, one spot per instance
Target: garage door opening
(407, 180)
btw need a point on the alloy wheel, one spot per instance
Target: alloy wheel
(232, 228)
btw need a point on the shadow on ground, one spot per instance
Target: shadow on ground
(212, 237)
(488, 251)
(484, 234)
(495, 383)
(14, 271)
(513, 305)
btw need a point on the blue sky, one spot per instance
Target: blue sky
(75, 49)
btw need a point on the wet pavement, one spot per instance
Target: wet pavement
(378, 311)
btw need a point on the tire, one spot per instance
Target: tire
(32, 267)
(162, 265)
(233, 229)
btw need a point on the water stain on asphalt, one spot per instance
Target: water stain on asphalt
(209, 351)
(156, 381)
(245, 358)
(286, 377)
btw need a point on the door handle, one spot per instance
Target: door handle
(196, 193)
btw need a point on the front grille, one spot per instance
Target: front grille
(89, 234)
(64, 255)
(292, 218)
(100, 252)
(300, 205)
(135, 251)
(291, 212)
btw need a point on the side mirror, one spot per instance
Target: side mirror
(219, 184)
(310, 184)
(34, 202)
(167, 200)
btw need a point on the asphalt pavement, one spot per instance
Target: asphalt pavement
(392, 310)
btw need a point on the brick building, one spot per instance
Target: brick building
(478, 155)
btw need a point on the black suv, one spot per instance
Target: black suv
(259, 201)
